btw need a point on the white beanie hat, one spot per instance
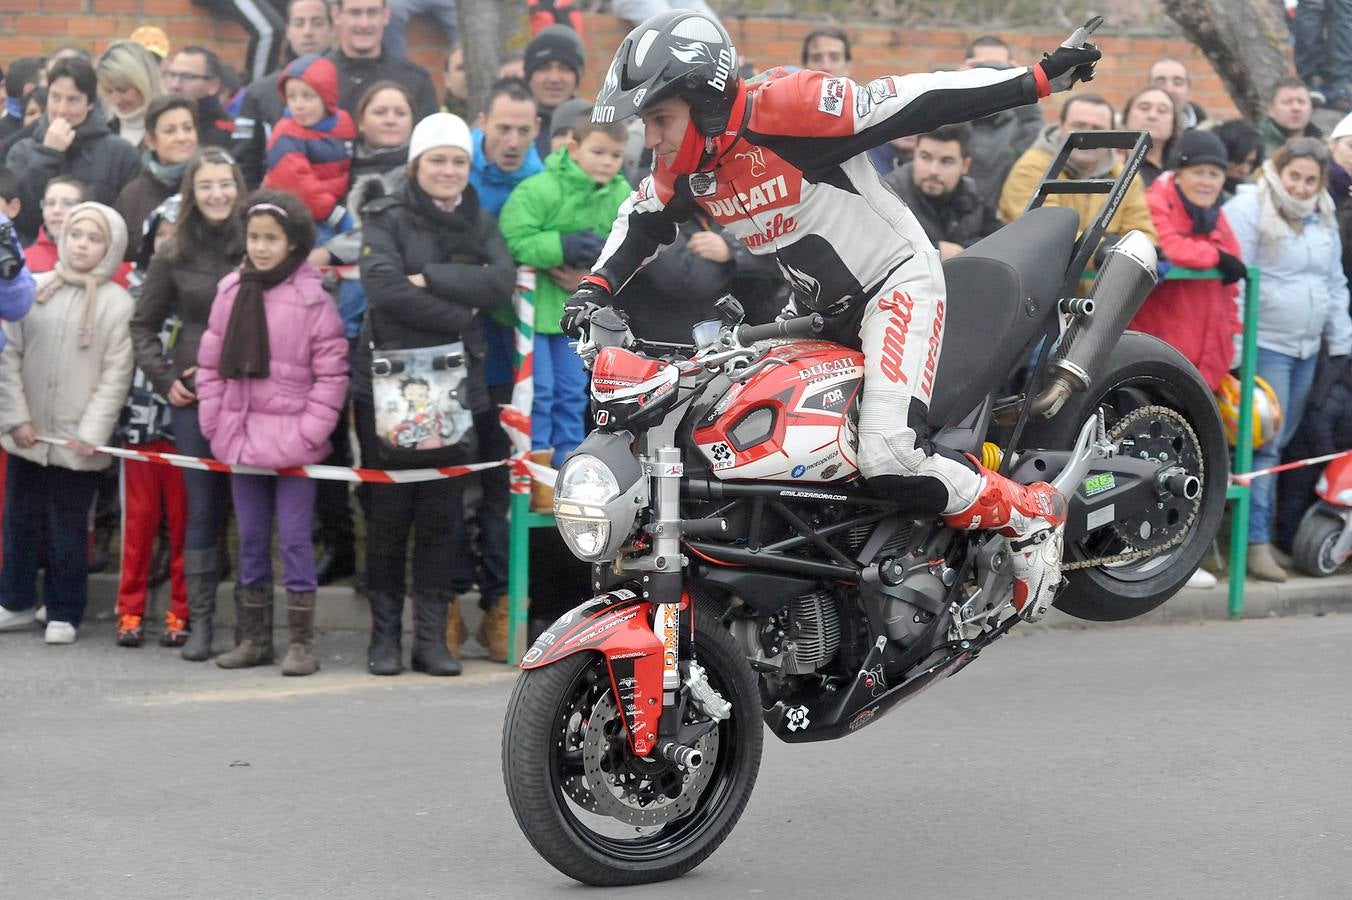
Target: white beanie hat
(1343, 129)
(439, 130)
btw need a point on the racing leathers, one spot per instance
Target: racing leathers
(789, 178)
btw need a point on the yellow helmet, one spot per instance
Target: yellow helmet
(1267, 411)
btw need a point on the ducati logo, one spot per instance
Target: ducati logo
(757, 157)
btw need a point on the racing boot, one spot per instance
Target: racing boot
(1033, 517)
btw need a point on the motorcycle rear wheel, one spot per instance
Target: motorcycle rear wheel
(1141, 371)
(542, 769)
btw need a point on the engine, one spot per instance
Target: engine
(801, 638)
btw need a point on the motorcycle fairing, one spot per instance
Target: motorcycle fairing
(618, 625)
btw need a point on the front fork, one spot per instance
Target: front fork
(662, 580)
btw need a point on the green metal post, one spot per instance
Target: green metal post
(518, 576)
(1242, 493)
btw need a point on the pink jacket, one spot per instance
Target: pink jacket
(286, 418)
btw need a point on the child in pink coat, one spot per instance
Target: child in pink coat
(271, 380)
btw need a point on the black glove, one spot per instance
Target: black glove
(577, 310)
(1232, 268)
(581, 249)
(1066, 65)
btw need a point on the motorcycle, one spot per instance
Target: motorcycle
(1323, 539)
(745, 574)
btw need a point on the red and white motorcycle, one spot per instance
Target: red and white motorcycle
(744, 574)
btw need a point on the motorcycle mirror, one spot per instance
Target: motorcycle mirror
(729, 309)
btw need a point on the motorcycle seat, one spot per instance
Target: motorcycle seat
(1000, 291)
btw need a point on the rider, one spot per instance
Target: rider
(781, 165)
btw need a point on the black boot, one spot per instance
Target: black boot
(385, 656)
(199, 570)
(429, 636)
(335, 563)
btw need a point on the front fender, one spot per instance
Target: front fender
(618, 625)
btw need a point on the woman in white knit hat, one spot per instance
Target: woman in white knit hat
(64, 373)
(430, 260)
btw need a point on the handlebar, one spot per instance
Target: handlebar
(803, 326)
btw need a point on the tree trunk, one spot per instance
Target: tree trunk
(483, 29)
(1246, 42)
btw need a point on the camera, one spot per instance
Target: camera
(11, 262)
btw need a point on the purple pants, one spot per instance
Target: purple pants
(256, 496)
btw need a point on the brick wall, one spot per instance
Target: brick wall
(30, 27)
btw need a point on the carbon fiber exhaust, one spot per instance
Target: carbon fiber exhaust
(1125, 279)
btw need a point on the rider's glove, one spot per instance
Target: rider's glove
(1066, 65)
(589, 297)
(1232, 268)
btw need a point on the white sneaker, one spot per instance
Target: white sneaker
(40, 614)
(1202, 579)
(60, 633)
(15, 619)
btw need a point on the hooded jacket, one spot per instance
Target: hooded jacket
(493, 184)
(1302, 294)
(286, 418)
(49, 380)
(41, 257)
(997, 142)
(97, 157)
(314, 162)
(1197, 318)
(561, 200)
(1027, 174)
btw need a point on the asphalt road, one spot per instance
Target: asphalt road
(1188, 761)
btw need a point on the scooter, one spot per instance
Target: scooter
(1323, 539)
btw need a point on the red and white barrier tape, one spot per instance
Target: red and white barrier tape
(1246, 477)
(519, 464)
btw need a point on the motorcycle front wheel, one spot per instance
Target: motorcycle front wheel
(596, 812)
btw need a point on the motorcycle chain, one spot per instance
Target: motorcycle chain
(1119, 431)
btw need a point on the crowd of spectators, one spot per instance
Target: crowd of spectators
(220, 266)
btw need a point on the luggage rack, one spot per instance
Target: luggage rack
(1138, 142)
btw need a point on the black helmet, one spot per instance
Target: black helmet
(675, 54)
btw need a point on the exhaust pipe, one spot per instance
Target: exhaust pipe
(1125, 279)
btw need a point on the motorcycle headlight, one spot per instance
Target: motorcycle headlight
(595, 508)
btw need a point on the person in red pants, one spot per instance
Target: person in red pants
(151, 489)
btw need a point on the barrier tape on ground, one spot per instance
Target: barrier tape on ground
(1247, 477)
(520, 463)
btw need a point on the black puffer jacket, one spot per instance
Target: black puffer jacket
(467, 266)
(959, 217)
(99, 158)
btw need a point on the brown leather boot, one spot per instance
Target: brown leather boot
(1262, 566)
(300, 618)
(256, 647)
(493, 629)
(541, 494)
(456, 632)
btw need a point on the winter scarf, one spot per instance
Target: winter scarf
(165, 175)
(1278, 209)
(1051, 140)
(244, 350)
(64, 275)
(132, 128)
(1203, 218)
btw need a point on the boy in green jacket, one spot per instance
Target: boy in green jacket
(557, 221)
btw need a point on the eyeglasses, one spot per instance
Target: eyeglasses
(185, 76)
